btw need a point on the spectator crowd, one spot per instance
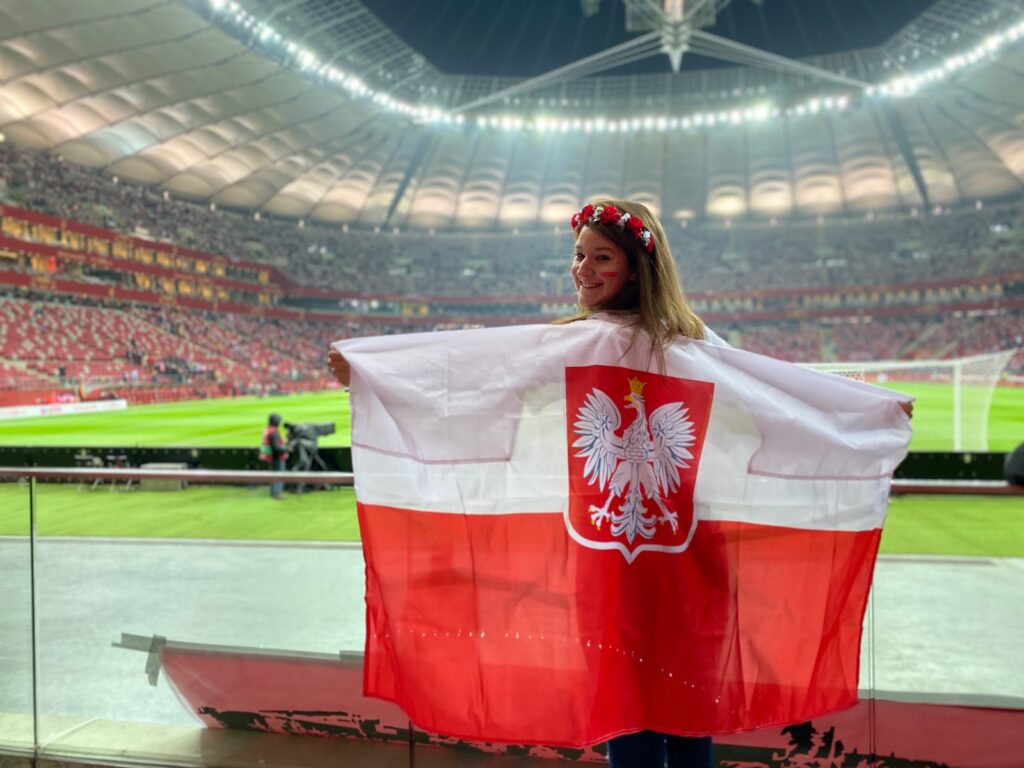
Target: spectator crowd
(714, 256)
(731, 269)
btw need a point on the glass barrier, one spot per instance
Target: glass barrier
(185, 621)
(17, 733)
(947, 671)
(165, 561)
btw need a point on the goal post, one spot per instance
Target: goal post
(971, 383)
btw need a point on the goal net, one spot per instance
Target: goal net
(957, 394)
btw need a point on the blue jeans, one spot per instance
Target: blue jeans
(650, 749)
(277, 465)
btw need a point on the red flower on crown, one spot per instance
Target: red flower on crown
(583, 216)
(636, 225)
(609, 215)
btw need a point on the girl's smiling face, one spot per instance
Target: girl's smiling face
(600, 269)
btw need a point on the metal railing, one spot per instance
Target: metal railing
(208, 476)
(235, 477)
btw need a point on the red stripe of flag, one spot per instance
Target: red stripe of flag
(501, 628)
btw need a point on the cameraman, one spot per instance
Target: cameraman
(274, 451)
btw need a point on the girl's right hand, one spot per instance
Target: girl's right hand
(339, 367)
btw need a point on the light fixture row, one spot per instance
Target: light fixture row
(901, 86)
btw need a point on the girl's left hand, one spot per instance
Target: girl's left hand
(339, 367)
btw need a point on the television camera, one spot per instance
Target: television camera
(302, 444)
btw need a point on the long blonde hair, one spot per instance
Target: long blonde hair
(656, 297)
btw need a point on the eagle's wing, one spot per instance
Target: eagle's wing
(596, 424)
(673, 435)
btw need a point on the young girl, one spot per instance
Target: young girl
(622, 267)
(622, 263)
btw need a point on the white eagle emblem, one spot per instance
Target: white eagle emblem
(642, 464)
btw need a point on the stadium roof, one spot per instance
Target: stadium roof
(199, 98)
(529, 37)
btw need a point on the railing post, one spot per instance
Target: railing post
(32, 612)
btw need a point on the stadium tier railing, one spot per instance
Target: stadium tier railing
(144, 627)
(205, 476)
(225, 477)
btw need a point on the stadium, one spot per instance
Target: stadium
(198, 197)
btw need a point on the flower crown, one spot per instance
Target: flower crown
(609, 215)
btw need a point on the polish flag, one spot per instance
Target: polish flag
(564, 544)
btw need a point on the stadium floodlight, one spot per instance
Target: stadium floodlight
(303, 59)
(904, 85)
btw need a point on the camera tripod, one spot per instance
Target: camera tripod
(307, 456)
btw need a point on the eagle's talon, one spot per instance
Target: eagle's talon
(599, 515)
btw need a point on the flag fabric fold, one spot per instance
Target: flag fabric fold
(564, 543)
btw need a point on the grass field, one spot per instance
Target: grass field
(933, 416)
(934, 525)
(228, 422)
(239, 422)
(200, 511)
(921, 525)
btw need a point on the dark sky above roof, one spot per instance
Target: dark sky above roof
(522, 38)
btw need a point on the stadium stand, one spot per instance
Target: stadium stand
(179, 307)
(146, 353)
(896, 248)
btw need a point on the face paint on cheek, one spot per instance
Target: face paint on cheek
(608, 275)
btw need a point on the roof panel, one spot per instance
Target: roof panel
(154, 92)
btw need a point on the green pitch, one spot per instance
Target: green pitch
(239, 422)
(923, 525)
(933, 415)
(972, 526)
(221, 423)
(198, 512)
(932, 525)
